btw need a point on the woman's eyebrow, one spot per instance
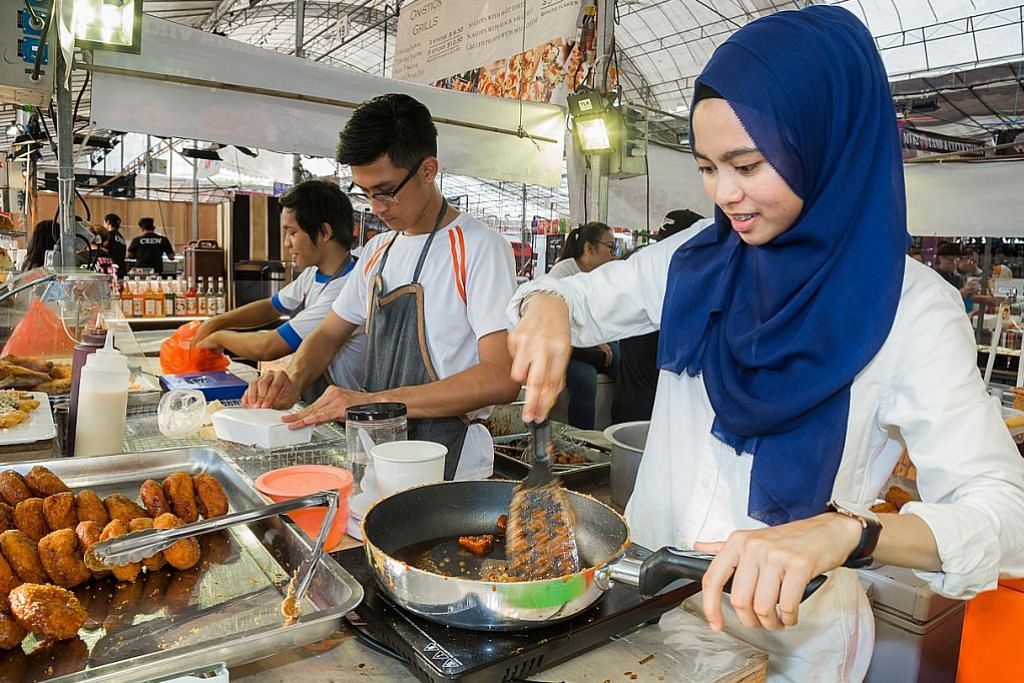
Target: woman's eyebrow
(731, 154)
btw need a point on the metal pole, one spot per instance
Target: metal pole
(195, 195)
(599, 164)
(65, 170)
(524, 236)
(149, 162)
(300, 39)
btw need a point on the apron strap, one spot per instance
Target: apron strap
(423, 252)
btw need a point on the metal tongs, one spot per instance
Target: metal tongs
(139, 545)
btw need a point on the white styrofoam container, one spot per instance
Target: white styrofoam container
(258, 427)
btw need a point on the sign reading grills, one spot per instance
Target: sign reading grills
(478, 47)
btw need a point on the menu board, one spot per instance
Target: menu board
(478, 47)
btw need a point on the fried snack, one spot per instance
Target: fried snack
(12, 399)
(152, 495)
(210, 496)
(90, 508)
(29, 518)
(46, 610)
(20, 552)
(60, 511)
(477, 545)
(62, 559)
(128, 572)
(61, 371)
(11, 632)
(88, 534)
(8, 578)
(897, 497)
(42, 482)
(185, 553)
(152, 563)
(12, 487)
(34, 363)
(16, 377)
(182, 496)
(11, 417)
(54, 387)
(120, 506)
(883, 507)
(6, 517)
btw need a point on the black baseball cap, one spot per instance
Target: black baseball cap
(676, 220)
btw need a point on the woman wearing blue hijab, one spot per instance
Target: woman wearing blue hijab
(801, 353)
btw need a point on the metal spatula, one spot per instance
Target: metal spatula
(540, 537)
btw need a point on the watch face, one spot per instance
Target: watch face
(855, 510)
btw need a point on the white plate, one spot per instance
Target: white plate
(38, 427)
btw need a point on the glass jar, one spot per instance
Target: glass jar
(366, 426)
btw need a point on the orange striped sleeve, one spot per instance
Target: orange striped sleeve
(456, 265)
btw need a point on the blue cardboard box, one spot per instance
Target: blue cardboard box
(220, 385)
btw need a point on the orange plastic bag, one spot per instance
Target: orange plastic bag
(40, 333)
(177, 355)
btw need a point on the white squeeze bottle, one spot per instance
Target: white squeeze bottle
(102, 401)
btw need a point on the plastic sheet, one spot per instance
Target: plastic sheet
(177, 355)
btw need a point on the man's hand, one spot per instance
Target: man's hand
(608, 355)
(273, 389)
(213, 342)
(330, 407)
(209, 326)
(771, 567)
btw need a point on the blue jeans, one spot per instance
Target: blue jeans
(581, 383)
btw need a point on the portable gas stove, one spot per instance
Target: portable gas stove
(437, 653)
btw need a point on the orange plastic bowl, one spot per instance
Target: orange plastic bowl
(300, 480)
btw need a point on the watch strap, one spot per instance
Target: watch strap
(871, 529)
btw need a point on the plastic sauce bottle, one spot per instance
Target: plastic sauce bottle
(103, 392)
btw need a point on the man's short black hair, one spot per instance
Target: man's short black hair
(113, 219)
(393, 124)
(949, 250)
(146, 223)
(316, 202)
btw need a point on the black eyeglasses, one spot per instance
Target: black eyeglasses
(388, 198)
(610, 245)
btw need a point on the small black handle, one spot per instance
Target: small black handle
(669, 564)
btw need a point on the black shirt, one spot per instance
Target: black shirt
(116, 246)
(954, 278)
(149, 249)
(638, 379)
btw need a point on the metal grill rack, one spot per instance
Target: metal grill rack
(326, 448)
(516, 450)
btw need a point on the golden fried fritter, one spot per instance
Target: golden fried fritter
(185, 553)
(88, 534)
(90, 508)
(61, 371)
(182, 496)
(8, 578)
(11, 632)
(153, 562)
(122, 507)
(48, 611)
(54, 387)
(210, 496)
(62, 560)
(42, 482)
(60, 511)
(7, 517)
(128, 572)
(152, 495)
(21, 553)
(34, 363)
(12, 487)
(29, 518)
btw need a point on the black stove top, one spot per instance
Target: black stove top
(437, 653)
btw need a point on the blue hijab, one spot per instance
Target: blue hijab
(779, 331)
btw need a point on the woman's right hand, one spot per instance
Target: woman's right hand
(540, 348)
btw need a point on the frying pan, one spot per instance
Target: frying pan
(411, 546)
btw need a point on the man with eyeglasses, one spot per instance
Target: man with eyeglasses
(431, 294)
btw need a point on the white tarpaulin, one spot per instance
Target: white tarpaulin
(966, 198)
(299, 106)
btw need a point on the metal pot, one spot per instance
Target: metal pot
(628, 440)
(425, 522)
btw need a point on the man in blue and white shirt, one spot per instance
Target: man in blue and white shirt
(316, 218)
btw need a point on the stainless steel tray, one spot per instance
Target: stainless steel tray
(227, 609)
(512, 459)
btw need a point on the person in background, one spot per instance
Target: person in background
(316, 218)
(115, 243)
(795, 369)
(947, 264)
(638, 368)
(968, 264)
(915, 253)
(149, 248)
(430, 294)
(42, 240)
(587, 247)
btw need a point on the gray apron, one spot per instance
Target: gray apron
(320, 384)
(397, 354)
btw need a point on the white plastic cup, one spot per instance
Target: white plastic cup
(401, 464)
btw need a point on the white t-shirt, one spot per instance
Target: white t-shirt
(922, 392)
(564, 268)
(348, 368)
(468, 278)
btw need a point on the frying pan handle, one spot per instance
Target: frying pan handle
(669, 564)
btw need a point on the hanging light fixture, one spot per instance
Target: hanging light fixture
(109, 25)
(592, 119)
